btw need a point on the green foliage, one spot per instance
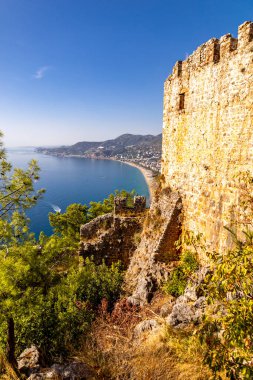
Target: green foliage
(17, 194)
(228, 328)
(64, 242)
(61, 250)
(176, 283)
(16, 187)
(179, 277)
(100, 208)
(190, 245)
(68, 224)
(51, 308)
(53, 321)
(50, 299)
(56, 321)
(96, 282)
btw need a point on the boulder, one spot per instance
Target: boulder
(70, 371)
(144, 291)
(30, 360)
(189, 308)
(182, 314)
(166, 308)
(147, 325)
(36, 376)
(77, 371)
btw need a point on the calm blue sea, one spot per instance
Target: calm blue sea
(74, 180)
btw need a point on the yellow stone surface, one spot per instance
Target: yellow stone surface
(208, 140)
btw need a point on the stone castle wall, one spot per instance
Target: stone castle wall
(114, 236)
(156, 253)
(208, 133)
(121, 205)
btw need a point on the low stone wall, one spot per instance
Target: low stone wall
(92, 230)
(121, 207)
(156, 252)
(110, 238)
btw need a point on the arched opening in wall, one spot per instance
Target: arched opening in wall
(167, 250)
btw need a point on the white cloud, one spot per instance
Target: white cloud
(40, 73)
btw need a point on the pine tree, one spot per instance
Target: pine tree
(16, 195)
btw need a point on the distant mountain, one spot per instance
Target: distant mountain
(124, 141)
(143, 149)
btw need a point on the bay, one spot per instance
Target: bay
(74, 180)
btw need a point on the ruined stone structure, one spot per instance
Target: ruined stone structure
(114, 236)
(121, 207)
(207, 149)
(156, 254)
(208, 134)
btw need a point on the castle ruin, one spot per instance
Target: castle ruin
(114, 236)
(207, 156)
(208, 134)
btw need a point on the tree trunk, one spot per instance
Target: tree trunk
(10, 352)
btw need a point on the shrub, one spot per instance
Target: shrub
(179, 276)
(100, 208)
(176, 283)
(46, 297)
(43, 298)
(97, 282)
(228, 329)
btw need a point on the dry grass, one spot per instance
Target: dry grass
(169, 355)
(164, 354)
(114, 353)
(6, 371)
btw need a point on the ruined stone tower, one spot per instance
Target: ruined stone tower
(208, 133)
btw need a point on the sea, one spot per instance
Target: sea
(74, 180)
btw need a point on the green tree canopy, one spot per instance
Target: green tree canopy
(46, 298)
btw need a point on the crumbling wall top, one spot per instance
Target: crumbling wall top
(208, 136)
(121, 206)
(214, 50)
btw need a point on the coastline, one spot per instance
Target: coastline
(148, 175)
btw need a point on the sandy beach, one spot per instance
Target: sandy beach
(149, 175)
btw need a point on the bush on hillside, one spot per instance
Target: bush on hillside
(228, 328)
(179, 276)
(51, 310)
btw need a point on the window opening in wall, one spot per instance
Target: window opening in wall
(181, 101)
(179, 68)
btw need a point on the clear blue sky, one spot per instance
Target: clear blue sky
(74, 70)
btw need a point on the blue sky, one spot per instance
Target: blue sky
(73, 70)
